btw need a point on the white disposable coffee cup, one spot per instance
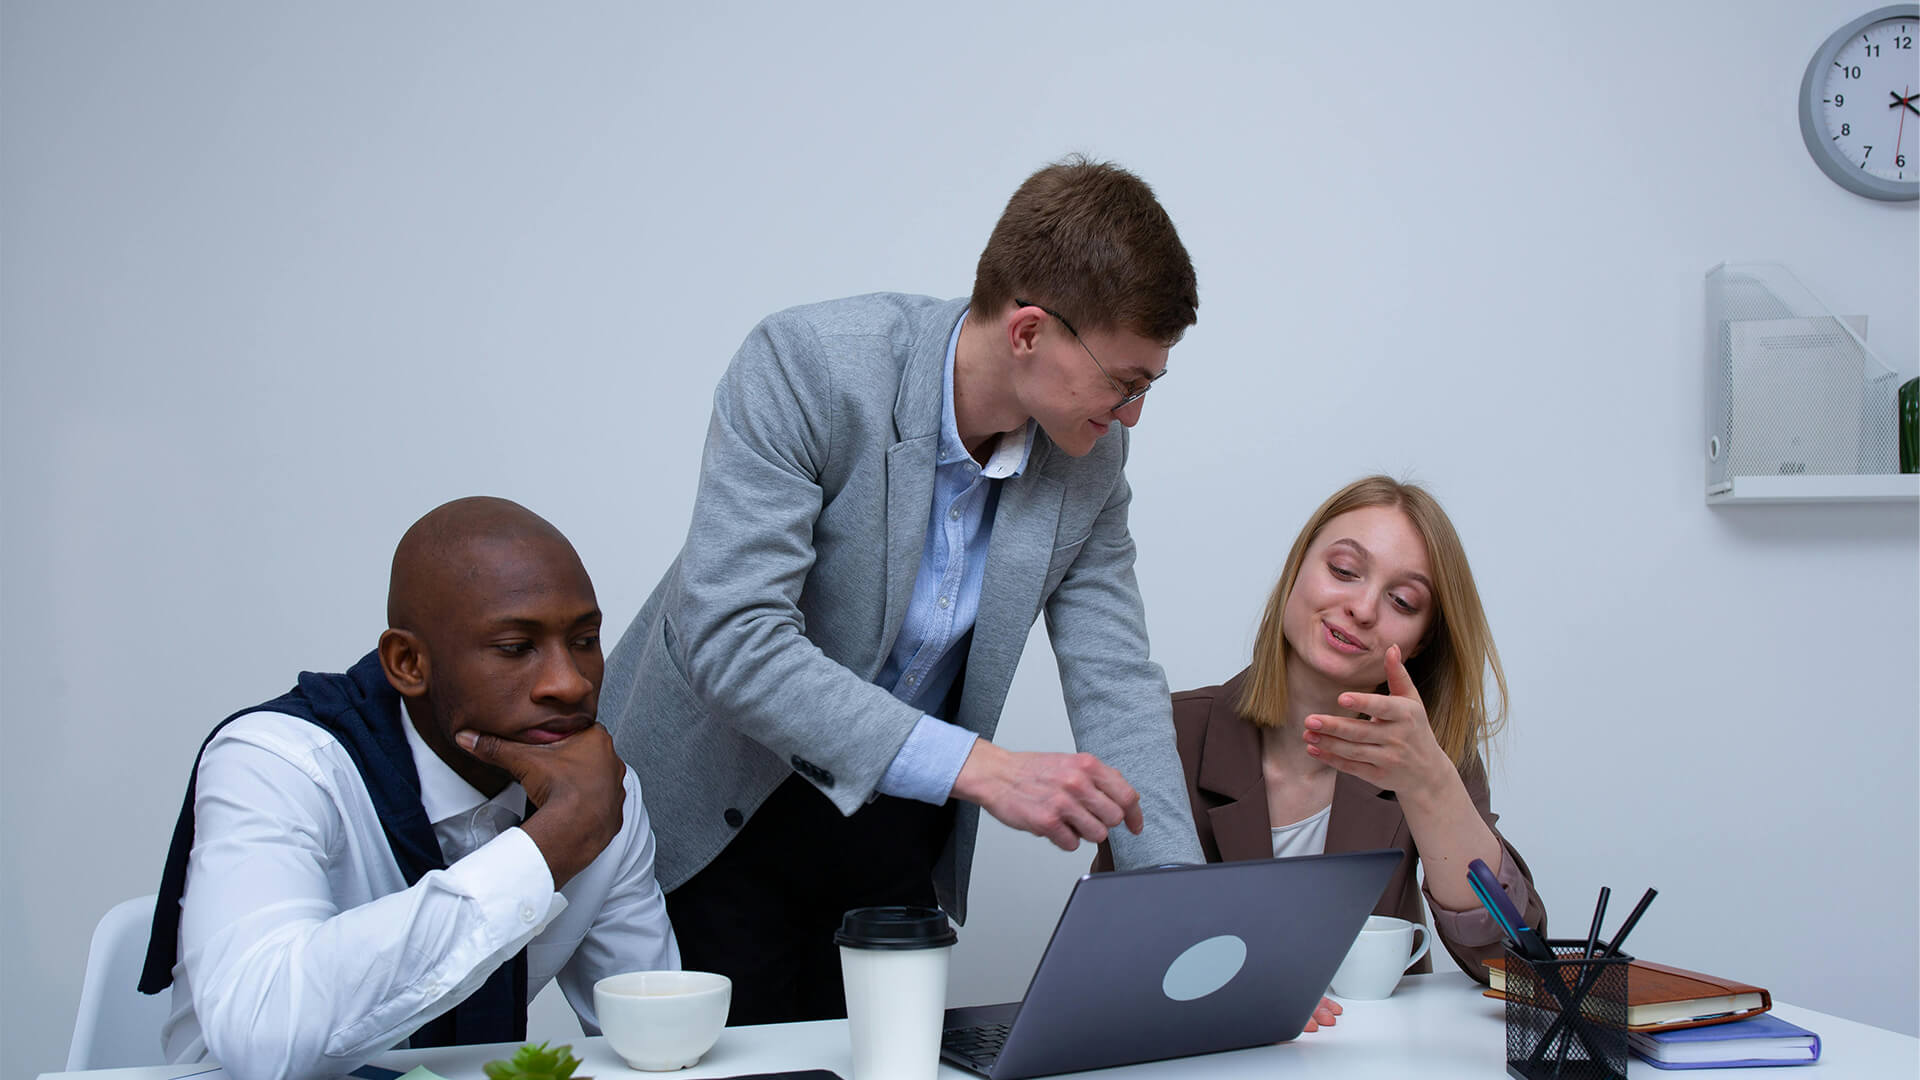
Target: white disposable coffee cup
(893, 961)
(1380, 955)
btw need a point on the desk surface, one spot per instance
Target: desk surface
(1434, 1026)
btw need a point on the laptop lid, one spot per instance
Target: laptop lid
(1162, 963)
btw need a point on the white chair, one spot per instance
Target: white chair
(118, 1025)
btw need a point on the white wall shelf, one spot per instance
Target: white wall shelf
(1760, 490)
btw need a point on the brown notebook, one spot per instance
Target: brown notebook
(1664, 998)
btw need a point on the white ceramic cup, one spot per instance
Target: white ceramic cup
(1380, 955)
(893, 961)
(661, 1020)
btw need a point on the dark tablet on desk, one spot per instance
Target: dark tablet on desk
(1164, 963)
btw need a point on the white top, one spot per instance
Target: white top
(304, 954)
(1308, 836)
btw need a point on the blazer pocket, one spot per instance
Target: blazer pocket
(1062, 559)
(673, 678)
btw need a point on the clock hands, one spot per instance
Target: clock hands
(1900, 139)
(1899, 101)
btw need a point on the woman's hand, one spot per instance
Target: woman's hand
(1395, 750)
(1324, 1014)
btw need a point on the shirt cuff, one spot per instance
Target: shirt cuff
(508, 877)
(928, 762)
(1475, 927)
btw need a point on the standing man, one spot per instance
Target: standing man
(893, 489)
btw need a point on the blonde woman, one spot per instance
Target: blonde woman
(1361, 720)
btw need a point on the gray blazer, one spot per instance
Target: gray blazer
(754, 656)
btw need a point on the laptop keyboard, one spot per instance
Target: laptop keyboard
(979, 1045)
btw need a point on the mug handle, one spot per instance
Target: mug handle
(1426, 942)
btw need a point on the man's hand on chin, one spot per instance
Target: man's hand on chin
(578, 785)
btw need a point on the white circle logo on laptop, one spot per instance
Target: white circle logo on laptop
(1204, 968)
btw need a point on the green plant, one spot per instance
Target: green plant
(536, 1062)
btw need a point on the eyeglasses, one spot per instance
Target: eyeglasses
(1129, 392)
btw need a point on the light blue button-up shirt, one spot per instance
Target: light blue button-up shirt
(946, 599)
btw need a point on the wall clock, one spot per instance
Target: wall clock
(1860, 105)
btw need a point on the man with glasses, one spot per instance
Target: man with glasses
(893, 488)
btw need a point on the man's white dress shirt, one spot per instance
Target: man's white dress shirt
(303, 953)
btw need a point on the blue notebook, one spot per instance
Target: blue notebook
(1762, 1040)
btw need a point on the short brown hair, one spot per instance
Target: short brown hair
(1088, 239)
(1452, 664)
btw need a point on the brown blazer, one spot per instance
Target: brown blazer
(1220, 754)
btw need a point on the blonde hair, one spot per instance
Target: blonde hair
(1449, 669)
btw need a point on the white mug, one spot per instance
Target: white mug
(1380, 955)
(662, 1020)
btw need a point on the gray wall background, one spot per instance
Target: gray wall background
(275, 279)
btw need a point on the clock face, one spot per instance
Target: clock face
(1860, 105)
(1868, 100)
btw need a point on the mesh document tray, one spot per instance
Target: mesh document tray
(1792, 389)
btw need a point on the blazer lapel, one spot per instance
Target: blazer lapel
(1230, 770)
(1026, 524)
(1364, 816)
(909, 500)
(917, 410)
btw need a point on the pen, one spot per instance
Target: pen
(1620, 936)
(1494, 897)
(1593, 936)
(1599, 912)
(1506, 929)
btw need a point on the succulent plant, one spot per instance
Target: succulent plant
(535, 1061)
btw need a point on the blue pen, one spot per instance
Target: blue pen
(1506, 929)
(1494, 897)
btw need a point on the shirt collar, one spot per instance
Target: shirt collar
(1009, 457)
(443, 794)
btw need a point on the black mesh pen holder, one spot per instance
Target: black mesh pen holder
(1567, 1018)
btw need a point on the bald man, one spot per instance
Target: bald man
(346, 878)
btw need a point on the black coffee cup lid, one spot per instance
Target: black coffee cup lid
(895, 928)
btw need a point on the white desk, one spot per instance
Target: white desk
(1435, 1026)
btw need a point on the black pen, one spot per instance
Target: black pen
(1593, 935)
(1599, 912)
(1619, 938)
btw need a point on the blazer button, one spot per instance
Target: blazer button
(811, 771)
(733, 818)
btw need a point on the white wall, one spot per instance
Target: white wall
(278, 278)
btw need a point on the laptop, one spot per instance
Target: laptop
(1177, 960)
